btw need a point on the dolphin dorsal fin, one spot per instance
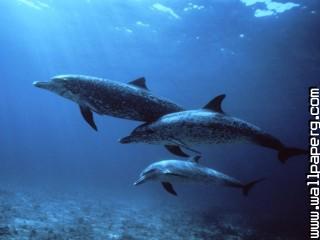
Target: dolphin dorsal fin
(195, 159)
(140, 82)
(215, 104)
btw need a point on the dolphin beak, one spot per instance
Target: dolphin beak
(140, 181)
(125, 140)
(44, 85)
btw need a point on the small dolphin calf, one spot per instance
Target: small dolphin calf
(209, 125)
(106, 97)
(169, 171)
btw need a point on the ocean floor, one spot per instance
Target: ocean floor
(62, 216)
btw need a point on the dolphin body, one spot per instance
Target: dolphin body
(130, 100)
(168, 171)
(209, 125)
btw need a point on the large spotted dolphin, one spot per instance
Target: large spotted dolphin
(209, 125)
(106, 97)
(171, 171)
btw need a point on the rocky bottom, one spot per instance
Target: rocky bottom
(24, 216)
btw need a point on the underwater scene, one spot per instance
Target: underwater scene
(156, 119)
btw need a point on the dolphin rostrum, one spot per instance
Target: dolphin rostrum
(169, 171)
(130, 100)
(209, 125)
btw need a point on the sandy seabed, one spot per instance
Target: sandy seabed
(30, 215)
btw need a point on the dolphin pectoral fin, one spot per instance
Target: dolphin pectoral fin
(182, 144)
(195, 158)
(176, 150)
(191, 149)
(88, 116)
(215, 104)
(169, 188)
(140, 82)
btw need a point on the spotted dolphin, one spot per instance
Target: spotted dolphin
(171, 171)
(130, 100)
(209, 125)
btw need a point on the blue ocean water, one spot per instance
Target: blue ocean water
(61, 180)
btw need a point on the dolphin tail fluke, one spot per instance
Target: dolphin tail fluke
(247, 187)
(285, 153)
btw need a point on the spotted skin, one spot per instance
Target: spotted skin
(206, 126)
(107, 97)
(195, 127)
